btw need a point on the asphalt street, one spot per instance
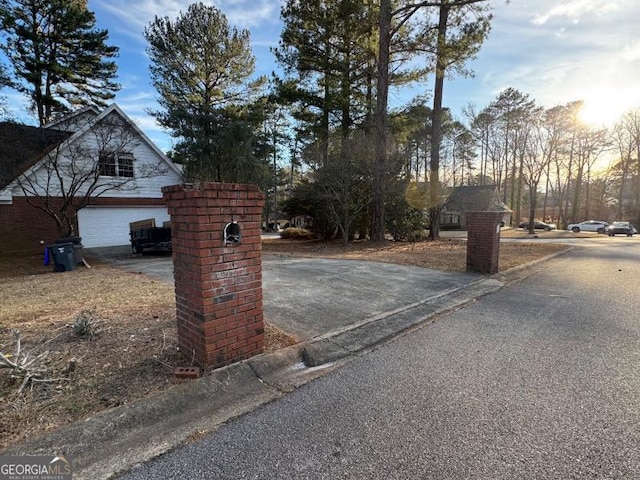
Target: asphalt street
(540, 380)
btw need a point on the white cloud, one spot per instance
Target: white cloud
(136, 100)
(240, 13)
(574, 9)
(18, 105)
(630, 52)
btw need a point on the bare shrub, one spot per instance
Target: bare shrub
(86, 325)
(27, 366)
(295, 233)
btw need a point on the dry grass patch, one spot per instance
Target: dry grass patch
(444, 254)
(130, 354)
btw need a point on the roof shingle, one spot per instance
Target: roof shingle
(21, 146)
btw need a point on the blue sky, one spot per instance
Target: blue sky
(556, 51)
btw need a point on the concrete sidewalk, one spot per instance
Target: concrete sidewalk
(374, 311)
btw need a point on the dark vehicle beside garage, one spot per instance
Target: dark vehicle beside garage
(146, 237)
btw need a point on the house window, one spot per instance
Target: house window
(116, 165)
(125, 165)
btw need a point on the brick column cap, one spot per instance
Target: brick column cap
(203, 186)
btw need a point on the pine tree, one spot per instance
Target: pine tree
(202, 68)
(326, 49)
(58, 57)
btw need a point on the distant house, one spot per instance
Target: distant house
(126, 176)
(471, 199)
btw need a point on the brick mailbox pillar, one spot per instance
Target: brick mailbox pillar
(483, 241)
(218, 278)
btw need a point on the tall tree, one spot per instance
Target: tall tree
(455, 37)
(626, 135)
(4, 82)
(202, 69)
(590, 143)
(382, 101)
(328, 48)
(411, 129)
(59, 59)
(326, 52)
(481, 127)
(512, 109)
(536, 155)
(462, 26)
(275, 130)
(394, 20)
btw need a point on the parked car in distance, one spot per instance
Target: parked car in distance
(621, 228)
(598, 226)
(537, 225)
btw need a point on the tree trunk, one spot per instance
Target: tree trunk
(377, 225)
(623, 185)
(637, 212)
(436, 124)
(519, 189)
(532, 205)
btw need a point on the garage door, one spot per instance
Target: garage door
(109, 226)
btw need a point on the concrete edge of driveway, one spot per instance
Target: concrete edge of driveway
(117, 440)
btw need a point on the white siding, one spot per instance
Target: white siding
(142, 186)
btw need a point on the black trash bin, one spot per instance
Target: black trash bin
(77, 247)
(62, 256)
(77, 254)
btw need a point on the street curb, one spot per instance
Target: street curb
(365, 335)
(516, 274)
(114, 441)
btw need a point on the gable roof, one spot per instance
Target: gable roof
(22, 146)
(55, 138)
(75, 119)
(476, 198)
(115, 108)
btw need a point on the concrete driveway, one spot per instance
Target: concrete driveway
(310, 297)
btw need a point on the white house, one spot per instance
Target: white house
(100, 162)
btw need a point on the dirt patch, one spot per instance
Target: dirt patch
(130, 350)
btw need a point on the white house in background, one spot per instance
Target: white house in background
(129, 174)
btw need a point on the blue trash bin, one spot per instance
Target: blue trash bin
(62, 256)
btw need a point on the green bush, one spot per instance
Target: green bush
(403, 222)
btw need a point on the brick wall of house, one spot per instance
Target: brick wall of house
(23, 227)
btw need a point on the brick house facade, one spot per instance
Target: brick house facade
(25, 228)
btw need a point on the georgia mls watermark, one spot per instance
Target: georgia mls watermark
(32, 467)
